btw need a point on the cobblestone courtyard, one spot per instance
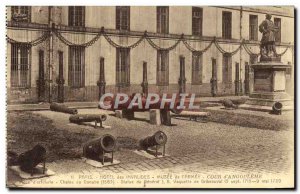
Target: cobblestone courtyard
(206, 150)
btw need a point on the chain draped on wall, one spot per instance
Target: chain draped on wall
(145, 36)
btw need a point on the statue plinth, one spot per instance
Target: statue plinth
(264, 58)
(269, 73)
(269, 86)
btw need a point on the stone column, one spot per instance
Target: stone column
(182, 79)
(237, 79)
(101, 82)
(60, 80)
(213, 80)
(247, 78)
(41, 81)
(145, 80)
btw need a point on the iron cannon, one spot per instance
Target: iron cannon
(31, 158)
(158, 139)
(277, 108)
(97, 148)
(62, 108)
(79, 118)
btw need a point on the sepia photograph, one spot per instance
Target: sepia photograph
(144, 97)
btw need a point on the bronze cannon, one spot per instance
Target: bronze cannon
(157, 139)
(62, 108)
(277, 108)
(79, 118)
(97, 148)
(31, 158)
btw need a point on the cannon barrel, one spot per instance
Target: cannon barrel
(31, 158)
(97, 147)
(158, 138)
(277, 108)
(62, 108)
(191, 113)
(87, 118)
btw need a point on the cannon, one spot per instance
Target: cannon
(79, 118)
(277, 108)
(192, 115)
(228, 104)
(97, 148)
(31, 158)
(157, 139)
(62, 108)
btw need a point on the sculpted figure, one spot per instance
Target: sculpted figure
(268, 29)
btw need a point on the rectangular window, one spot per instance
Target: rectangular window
(123, 18)
(226, 24)
(162, 17)
(77, 16)
(277, 23)
(21, 13)
(197, 21)
(253, 27)
(162, 67)
(20, 65)
(76, 66)
(197, 68)
(123, 67)
(227, 69)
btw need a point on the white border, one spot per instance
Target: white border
(99, 2)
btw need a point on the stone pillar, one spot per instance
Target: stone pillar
(60, 80)
(182, 79)
(214, 80)
(101, 82)
(128, 114)
(247, 78)
(119, 114)
(237, 79)
(145, 80)
(41, 81)
(154, 115)
(165, 116)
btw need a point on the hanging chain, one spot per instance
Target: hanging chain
(281, 54)
(58, 34)
(248, 50)
(35, 42)
(67, 42)
(160, 48)
(194, 50)
(225, 52)
(112, 43)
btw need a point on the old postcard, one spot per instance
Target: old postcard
(150, 96)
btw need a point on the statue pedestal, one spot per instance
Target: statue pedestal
(269, 87)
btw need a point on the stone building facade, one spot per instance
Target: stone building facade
(54, 52)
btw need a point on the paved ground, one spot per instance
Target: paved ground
(202, 149)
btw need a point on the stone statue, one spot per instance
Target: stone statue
(267, 47)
